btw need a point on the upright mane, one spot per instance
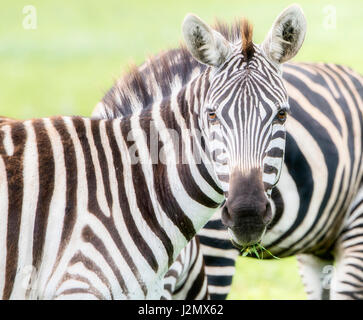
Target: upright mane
(247, 45)
(160, 75)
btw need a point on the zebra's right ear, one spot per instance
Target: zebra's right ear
(205, 44)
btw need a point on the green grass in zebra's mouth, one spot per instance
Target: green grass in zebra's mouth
(256, 250)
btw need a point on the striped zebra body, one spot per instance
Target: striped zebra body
(68, 195)
(317, 203)
(100, 209)
(81, 220)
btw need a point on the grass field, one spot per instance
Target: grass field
(79, 48)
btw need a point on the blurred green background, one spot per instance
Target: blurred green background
(78, 49)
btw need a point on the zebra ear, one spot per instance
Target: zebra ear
(286, 35)
(205, 44)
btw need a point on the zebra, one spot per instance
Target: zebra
(186, 278)
(311, 218)
(108, 221)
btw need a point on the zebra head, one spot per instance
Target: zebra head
(243, 115)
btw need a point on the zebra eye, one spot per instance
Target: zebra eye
(212, 115)
(281, 115)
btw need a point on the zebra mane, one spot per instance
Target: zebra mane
(162, 74)
(247, 45)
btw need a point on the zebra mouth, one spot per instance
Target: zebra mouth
(243, 241)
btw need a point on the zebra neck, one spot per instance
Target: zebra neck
(172, 184)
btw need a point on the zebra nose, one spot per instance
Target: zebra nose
(237, 215)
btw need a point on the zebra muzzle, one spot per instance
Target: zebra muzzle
(247, 211)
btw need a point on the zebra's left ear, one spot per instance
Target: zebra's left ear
(205, 44)
(286, 36)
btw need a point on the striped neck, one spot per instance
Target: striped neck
(168, 159)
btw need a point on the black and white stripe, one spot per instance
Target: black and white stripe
(80, 215)
(186, 278)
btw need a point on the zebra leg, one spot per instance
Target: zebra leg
(186, 278)
(220, 272)
(347, 282)
(194, 286)
(315, 273)
(219, 257)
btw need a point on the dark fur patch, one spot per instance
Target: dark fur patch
(289, 34)
(246, 36)
(199, 43)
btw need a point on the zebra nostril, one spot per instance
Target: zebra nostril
(226, 217)
(267, 215)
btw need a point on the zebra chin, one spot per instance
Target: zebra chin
(244, 238)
